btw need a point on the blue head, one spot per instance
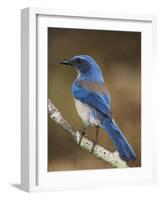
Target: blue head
(86, 66)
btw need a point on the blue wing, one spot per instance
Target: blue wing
(98, 101)
(101, 103)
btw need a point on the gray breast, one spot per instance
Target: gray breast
(85, 113)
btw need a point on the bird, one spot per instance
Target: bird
(92, 101)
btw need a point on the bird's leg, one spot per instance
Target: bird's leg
(95, 141)
(83, 133)
(97, 131)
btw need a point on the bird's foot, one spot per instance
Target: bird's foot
(93, 145)
(83, 134)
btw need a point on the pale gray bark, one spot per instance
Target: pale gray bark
(86, 144)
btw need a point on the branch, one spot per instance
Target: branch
(83, 142)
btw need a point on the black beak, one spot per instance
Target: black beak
(66, 62)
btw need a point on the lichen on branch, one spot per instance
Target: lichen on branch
(86, 144)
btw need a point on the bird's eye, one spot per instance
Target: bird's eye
(78, 60)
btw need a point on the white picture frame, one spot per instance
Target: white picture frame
(34, 174)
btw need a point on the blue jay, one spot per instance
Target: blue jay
(92, 102)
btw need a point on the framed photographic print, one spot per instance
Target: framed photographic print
(86, 99)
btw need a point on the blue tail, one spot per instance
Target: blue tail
(125, 150)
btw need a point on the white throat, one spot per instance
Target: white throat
(78, 72)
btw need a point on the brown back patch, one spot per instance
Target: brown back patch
(93, 86)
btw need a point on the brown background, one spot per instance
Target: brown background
(119, 55)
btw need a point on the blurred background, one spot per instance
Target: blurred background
(119, 55)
